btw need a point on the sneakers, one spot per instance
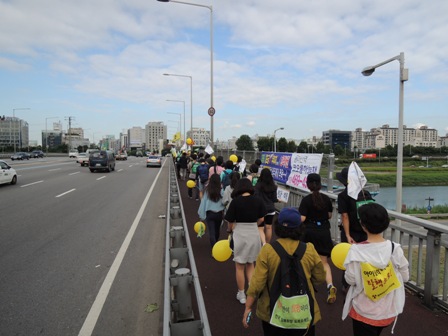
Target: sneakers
(331, 294)
(241, 297)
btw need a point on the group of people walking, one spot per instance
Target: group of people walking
(245, 204)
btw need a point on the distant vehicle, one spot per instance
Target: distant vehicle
(73, 153)
(139, 153)
(102, 160)
(20, 156)
(445, 166)
(7, 173)
(121, 156)
(153, 161)
(37, 154)
(82, 159)
(415, 157)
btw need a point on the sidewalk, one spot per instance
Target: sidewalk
(225, 312)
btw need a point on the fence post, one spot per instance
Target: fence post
(432, 267)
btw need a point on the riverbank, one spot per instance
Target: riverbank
(412, 176)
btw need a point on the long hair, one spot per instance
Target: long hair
(213, 188)
(234, 178)
(315, 187)
(266, 182)
(244, 185)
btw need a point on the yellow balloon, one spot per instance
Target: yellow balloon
(189, 141)
(213, 158)
(199, 227)
(191, 184)
(233, 158)
(221, 250)
(339, 253)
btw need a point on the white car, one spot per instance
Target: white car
(7, 173)
(82, 159)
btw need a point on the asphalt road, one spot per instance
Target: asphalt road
(82, 253)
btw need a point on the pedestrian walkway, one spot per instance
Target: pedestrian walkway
(225, 312)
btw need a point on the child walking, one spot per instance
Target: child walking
(376, 270)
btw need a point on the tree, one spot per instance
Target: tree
(244, 143)
(320, 148)
(338, 150)
(282, 145)
(291, 147)
(265, 144)
(303, 147)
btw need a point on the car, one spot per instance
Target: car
(121, 156)
(139, 153)
(7, 173)
(445, 166)
(82, 159)
(102, 160)
(20, 156)
(73, 154)
(37, 154)
(153, 161)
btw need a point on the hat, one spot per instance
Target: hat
(289, 218)
(343, 176)
(313, 178)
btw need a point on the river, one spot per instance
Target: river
(414, 196)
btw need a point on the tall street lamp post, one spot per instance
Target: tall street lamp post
(211, 110)
(191, 99)
(180, 101)
(275, 141)
(14, 117)
(404, 75)
(46, 133)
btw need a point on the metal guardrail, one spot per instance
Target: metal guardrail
(425, 244)
(181, 272)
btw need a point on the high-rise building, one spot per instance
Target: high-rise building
(333, 138)
(14, 132)
(136, 137)
(154, 132)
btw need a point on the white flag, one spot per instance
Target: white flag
(184, 147)
(356, 180)
(209, 150)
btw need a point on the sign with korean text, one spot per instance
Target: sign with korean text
(282, 194)
(378, 282)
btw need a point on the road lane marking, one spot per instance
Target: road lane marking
(54, 169)
(100, 178)
(65, 193)
(95, 310)
(74, 173)
(119, 170)
(30, 184)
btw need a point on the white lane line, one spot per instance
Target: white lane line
(100, 178)
(130, 166)
(30, 184)
(54, 169)
(95, 310)
(65, 193)
(119, 170)
(74, 173)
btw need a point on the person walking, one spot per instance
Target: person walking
(183, 165)
(371, 303)
(289, 230)
(244, 214)
(193, 165)
(266, 189)
(211, 208)
(316, 210)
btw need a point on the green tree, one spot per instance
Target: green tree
(244, 143)
(338, 150)
(303, 147)
(265, 144)
(292, 147)
(320, 147)
(282, 145)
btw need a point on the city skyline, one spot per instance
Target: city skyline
(290, 64)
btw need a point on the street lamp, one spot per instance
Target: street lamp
(14, 117)
(46, 133)
(180, 101)
(211, 110)
(180, 119)
(404, 75)
(191, 99)
(275, 142)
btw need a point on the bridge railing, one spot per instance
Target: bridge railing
(181, 274)
(425, 244)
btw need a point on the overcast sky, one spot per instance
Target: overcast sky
(292, 63)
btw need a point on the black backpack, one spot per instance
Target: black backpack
(226, 180)
(290, 279)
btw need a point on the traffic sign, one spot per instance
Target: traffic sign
(211, 111)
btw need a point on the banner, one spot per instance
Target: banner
(291, 169)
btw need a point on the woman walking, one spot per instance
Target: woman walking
(316, 210)
(211, 208)
(244, 214)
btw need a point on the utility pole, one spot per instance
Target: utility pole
(69, 118)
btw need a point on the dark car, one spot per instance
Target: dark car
(102, 160)
(20, 156)
(37, 154)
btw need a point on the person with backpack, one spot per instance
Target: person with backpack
(376, 270)
(216, 167)
(253, 174)
(286, 272)
(226, 173)
(351, 230)
(193, 167)
(202, 176)
(316, 210)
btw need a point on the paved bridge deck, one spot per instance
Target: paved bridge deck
(225, 312)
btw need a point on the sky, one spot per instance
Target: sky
(294, 64)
